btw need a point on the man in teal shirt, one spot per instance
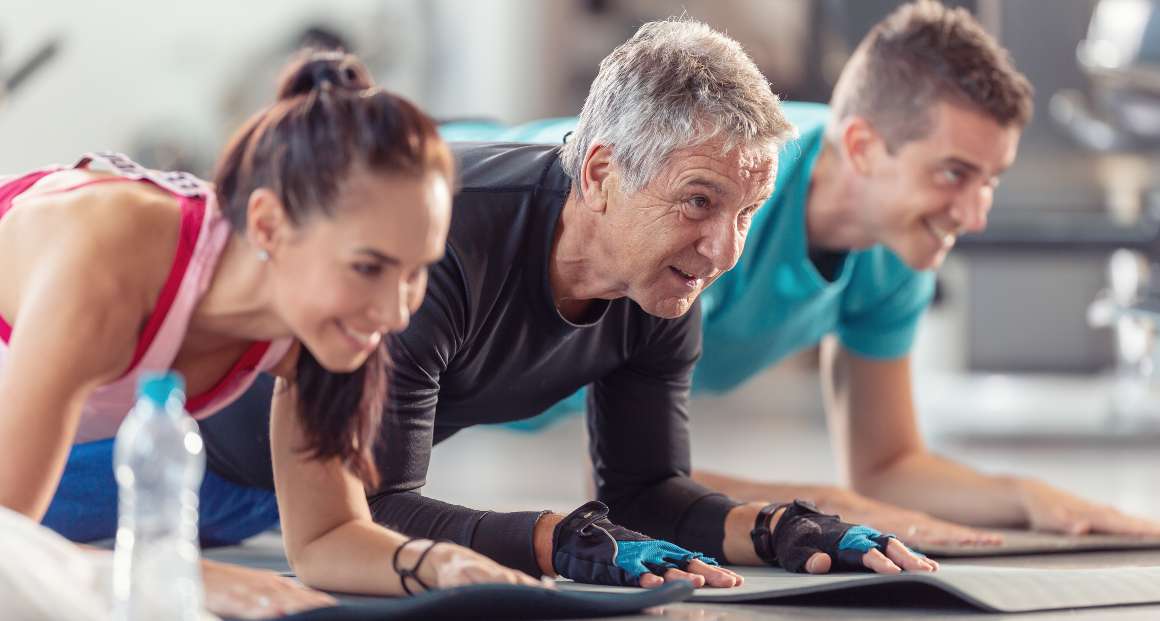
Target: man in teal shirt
(867, 202)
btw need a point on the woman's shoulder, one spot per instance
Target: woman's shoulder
(102, 207)
(130, 229)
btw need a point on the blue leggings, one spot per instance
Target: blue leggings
(85, 505)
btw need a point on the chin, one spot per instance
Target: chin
(339, 361)
(926, 262)
(671, 308)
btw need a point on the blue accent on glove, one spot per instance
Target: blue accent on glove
(654, 556)
(803, 531)
(862, 539)
(587, 547)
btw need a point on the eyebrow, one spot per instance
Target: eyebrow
(378, 256)
(973, 168)
(705, 183)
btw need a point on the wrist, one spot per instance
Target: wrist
(739, 524)
(542, 542)
(412, 563)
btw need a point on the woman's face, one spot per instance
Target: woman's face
(343, 282)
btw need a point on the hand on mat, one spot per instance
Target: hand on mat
(442, 565)
(916, 527)
(243, 593)
(587, 547)
(1053, 510)
(805, 539)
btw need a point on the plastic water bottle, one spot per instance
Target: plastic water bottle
(159, 461)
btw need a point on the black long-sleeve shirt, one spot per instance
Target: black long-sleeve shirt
(488, 345)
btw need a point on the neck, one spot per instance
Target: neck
(573, 274)
(834, 204)
(237, 305)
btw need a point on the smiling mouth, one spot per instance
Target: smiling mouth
(945, 238)
(691, 280)
(363, 340)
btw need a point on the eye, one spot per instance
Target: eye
(699, 202)
(370, 270)
(951, 176)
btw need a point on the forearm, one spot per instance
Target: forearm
(506, 538)
(757, 491)
(354, 558)
(925, 482)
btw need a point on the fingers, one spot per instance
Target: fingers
(526, 580)
(677, 574)
(651, 581)
(232, 591)
(819, 563)
(878, 563)
(906, 559)
(937, 532)
(1114, 522)
(273, 601)
(717, 577)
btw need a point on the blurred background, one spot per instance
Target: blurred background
(1039, 354)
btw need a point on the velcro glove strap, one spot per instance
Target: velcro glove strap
(803, 531)
(587, 547)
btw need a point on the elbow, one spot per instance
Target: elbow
(307, 572)
(309, 566)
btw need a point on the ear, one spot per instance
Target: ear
(861, 145)
(267, 223)
(596, 177)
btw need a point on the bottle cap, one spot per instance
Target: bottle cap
(161, 387)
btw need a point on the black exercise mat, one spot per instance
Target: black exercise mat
(495, 601)
(993, 589)
(1020, 542)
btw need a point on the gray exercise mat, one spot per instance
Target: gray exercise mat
(1017, 542)
(993, 589)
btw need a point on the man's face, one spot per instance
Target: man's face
(934, 188)
(665, 243)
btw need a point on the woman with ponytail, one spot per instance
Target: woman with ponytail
(311, 246)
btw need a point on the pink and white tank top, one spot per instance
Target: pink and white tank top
(203, 236)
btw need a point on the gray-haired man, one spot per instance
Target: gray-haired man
(577, 265)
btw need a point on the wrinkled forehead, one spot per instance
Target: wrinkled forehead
(747, 164)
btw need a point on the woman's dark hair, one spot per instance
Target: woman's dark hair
(328, 119)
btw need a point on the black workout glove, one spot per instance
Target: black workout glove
(804, 531)
(586, 547)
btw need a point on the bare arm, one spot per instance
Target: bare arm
(875, 435)
(873, 425)
(881, 454)
(331, 540)
(74, 330)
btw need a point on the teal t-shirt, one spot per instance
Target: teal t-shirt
(775, 302)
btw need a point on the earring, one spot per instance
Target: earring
(263, 255)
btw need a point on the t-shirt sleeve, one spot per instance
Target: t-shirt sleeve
(639, 433)
(882, 307)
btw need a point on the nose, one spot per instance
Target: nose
(721, 242)
(971, 207)
(392, 311)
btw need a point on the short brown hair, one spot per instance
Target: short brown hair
(921, 54)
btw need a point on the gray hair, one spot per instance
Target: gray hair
(675, 84)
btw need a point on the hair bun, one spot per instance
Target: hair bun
(313, 70)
